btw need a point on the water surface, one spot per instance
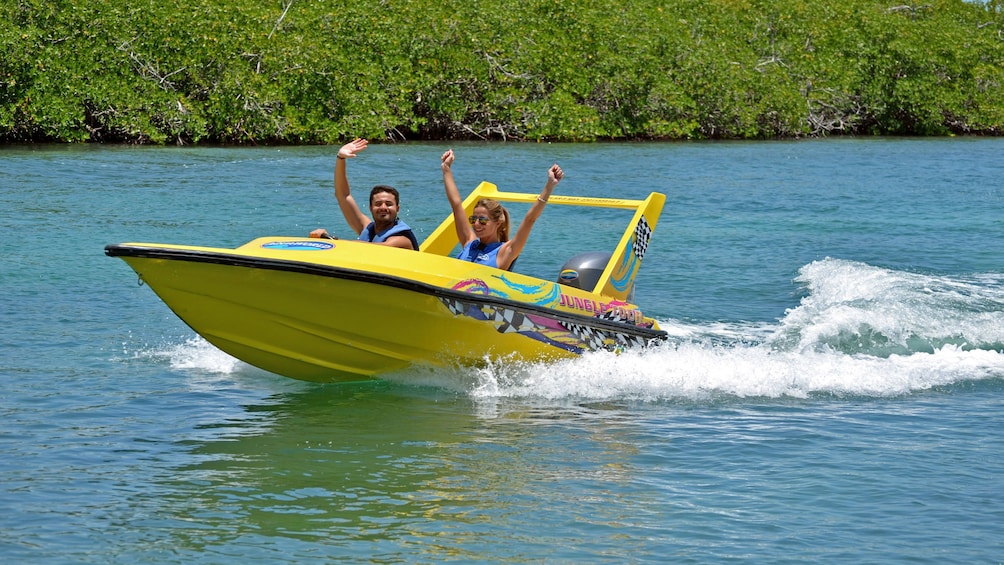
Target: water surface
(832, 392)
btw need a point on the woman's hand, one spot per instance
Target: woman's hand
(448, 159)
(554, 175)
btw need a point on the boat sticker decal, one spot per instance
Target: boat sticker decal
(461, 308)
(624, 275)
(511, 321)
(642, 235)
(477, 286)
(528, 289)
(598, 340)
(568, 275)
(506, 320)
(298, 245)
(545, 294)
(623, 315)
(576, 303)
(569, 336)
(615, 310)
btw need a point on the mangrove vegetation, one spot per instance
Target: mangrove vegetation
(322, 71)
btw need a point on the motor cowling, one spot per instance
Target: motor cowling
(584, 270)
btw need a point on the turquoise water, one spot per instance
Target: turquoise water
(833, 390)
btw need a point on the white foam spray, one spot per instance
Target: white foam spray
(860, 330)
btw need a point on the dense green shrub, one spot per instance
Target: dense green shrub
(321, 71)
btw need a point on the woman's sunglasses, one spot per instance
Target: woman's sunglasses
(480, 219)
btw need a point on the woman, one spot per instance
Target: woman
(385, 203)
(485, 235)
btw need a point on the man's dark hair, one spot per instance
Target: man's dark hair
(384, 188)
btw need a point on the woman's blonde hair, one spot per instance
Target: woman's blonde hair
(498, 213)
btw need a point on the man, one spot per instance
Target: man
(385, 203)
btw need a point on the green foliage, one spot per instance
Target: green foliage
(322, 71)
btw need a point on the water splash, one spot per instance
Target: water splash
(857, 308)
(703, 372)
(860, 331)
(193, 354)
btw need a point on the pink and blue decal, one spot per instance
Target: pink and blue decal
(544, 294)
(476, 286)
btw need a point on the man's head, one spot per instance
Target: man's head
(385, 203)
(389, 190)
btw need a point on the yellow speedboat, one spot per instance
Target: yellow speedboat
(304, 308)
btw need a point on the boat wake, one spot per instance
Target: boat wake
(702, 372)
(857, 308)
(859, 330)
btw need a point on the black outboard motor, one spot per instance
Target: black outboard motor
(584, 270)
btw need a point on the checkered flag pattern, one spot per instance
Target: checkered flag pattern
(504, 319)
(597, 340)
(456, 307)
(642, 235)
(613, 316)
(510, 321)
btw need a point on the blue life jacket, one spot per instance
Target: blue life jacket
(483, 254)
(398, 228)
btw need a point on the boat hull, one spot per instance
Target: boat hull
(346, 310)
